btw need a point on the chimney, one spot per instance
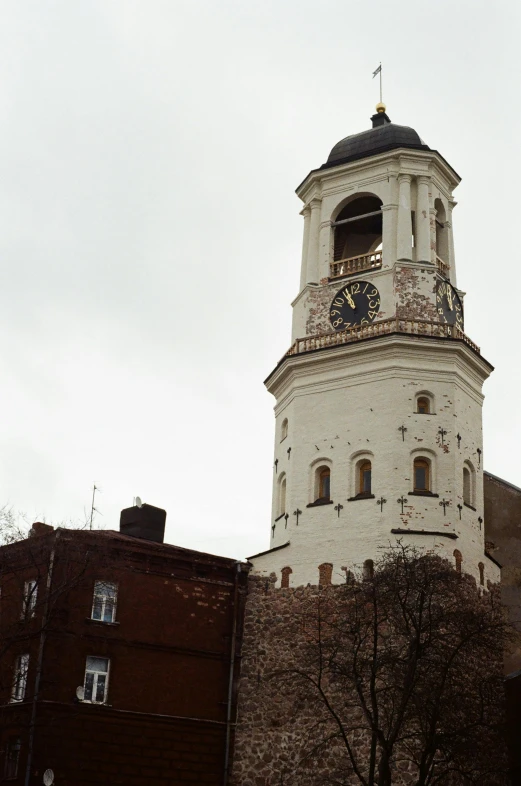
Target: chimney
(39, 528)
(143, 521)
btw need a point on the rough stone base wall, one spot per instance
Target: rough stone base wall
(274, 746)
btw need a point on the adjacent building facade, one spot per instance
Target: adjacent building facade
(118, 657)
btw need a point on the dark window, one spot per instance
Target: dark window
(365, 478)
(324, 484)
(421, 475)
(12, 757)
(423, 406)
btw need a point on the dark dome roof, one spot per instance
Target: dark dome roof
(384, 136)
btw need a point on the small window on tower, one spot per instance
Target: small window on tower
(364, 478)
(422, 480)
(284, 429)
(423, 406)
(282, 496)
(469, 484)
(324, 484)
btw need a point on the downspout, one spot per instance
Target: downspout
(231, 675)
(39, 663)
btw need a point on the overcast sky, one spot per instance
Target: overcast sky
(150, 235)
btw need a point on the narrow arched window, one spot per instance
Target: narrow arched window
(282, 496)
(285, 574)
(466, 486)
(422, 479)
(481, 573)
(423, 406)
(364, 478)
(368, 571)
(284, 429)
(324, 484)
(469, 485)
(458, 559)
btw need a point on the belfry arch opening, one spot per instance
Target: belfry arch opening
(358, 228)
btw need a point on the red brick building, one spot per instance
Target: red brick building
(118, 657)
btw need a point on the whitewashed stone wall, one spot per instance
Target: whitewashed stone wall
(348, 403)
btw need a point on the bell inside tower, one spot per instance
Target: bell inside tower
(358, 228)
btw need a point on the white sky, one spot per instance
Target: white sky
(150, 236)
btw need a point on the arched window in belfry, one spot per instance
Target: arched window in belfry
(358, 228)
(442, 232)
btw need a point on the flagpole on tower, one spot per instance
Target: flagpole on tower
(379, 71)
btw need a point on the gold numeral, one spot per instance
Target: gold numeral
(374, 303)
(355, 288)
(338, 301)
(372, 314)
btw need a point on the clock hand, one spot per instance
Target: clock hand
(350, 300)
(449, 299)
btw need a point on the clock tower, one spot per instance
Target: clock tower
(378, 423)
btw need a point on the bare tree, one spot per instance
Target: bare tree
(399, 680)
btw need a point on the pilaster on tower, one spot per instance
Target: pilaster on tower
(378, 400)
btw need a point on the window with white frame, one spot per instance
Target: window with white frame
(104, 601)
(20, 677)
(96, 679)
(30, 595)
(12, 757)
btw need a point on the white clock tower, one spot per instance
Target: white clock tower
(378, 400)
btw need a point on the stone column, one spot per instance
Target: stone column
(390, 223)
(404, 243)
(324, 250)
(423, 221)
(451, 260)
(312, 256)
(306, 212)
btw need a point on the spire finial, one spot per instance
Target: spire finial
(380, 108)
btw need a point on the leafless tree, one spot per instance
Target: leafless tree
(401, 674)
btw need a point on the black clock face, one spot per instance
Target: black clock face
(449, 305)
(357, 303)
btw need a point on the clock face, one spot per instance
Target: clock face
(449, 305)
(357, 303)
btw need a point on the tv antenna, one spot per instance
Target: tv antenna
(92, 508)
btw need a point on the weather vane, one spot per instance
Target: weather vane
(379, 71)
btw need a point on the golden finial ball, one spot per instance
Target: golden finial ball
(381, 107)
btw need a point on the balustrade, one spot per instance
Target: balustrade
(380, 328)
(346, 267)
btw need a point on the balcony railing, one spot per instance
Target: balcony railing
(346, 267)
(381, 328)
(442, 266)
